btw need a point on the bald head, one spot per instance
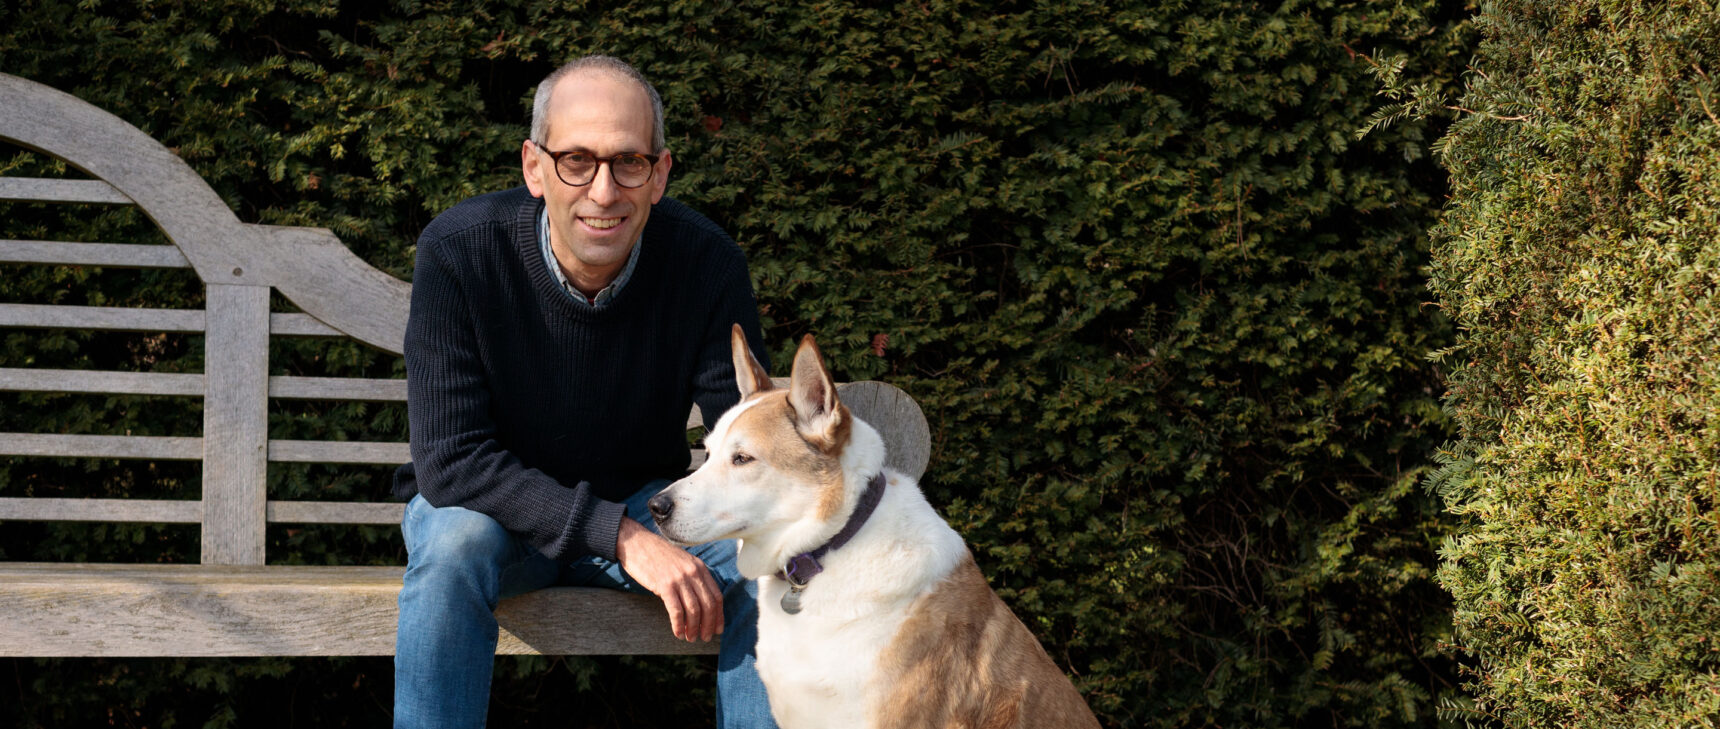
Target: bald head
(543, 102)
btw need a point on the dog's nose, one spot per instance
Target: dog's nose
(661, 506)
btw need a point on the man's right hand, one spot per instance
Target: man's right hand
(684, 583)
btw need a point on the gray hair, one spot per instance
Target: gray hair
(608, 64)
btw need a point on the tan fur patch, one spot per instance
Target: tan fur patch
(962, 659)
(750, 376)
(786, 450)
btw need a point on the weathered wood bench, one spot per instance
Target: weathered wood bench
(233, 603)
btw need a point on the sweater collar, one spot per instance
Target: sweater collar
(542, 273)
(609, 292)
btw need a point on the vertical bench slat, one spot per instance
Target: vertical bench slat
(235, 424)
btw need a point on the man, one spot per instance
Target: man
(558, 334)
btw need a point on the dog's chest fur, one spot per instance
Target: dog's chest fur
(823, 663)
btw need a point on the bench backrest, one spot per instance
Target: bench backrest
(240, 265)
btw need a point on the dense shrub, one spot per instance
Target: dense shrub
(1163, 309)
(1580, 258)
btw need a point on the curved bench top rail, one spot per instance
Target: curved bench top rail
(309, 266)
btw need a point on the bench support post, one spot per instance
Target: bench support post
(235, 424)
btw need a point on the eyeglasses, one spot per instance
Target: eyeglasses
(578, 167)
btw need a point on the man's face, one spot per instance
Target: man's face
(593, 227)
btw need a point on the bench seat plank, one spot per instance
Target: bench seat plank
(109, 610)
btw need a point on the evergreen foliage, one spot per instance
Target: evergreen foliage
(1580, 260)
(1163, 309)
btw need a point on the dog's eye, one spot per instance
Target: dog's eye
(740, 459)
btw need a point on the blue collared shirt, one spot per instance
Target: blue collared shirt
(603, 297)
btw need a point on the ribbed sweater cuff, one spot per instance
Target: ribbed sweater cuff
(596, 533)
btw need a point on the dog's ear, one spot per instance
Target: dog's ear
(750, 376)
(819, 415)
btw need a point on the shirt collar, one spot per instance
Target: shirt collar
(603, 297)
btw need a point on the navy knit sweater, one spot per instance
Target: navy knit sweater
(543, 413)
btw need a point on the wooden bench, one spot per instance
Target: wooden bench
(233, 603)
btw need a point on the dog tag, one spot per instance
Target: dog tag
(791, 601)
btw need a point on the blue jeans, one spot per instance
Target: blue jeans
(460, 563)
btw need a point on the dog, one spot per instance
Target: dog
(872, 612)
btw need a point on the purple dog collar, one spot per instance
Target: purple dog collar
(805, 566)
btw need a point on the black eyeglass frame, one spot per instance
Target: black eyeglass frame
(597, 162)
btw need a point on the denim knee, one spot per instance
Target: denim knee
(454, 546)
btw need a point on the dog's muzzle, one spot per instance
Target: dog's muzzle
(661, 506)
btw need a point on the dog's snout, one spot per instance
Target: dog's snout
(661, 506)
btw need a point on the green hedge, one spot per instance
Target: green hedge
(1164, 311)
(1580, 258)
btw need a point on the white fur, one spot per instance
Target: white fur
(819, 665)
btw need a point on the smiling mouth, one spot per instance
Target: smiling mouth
(602, 223)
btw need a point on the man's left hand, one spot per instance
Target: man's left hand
(682, 581)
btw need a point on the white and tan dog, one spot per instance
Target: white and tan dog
(872, 613)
